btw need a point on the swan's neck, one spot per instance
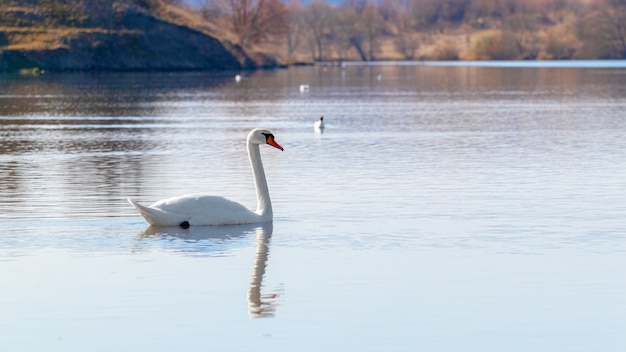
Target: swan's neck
(264, 205)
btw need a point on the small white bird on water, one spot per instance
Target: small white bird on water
(198, 209)
(319, 124)
(304, 88)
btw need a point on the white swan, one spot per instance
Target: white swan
(304, 88)
(198, 209)
(319, 124)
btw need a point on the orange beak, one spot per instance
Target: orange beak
(272, 142)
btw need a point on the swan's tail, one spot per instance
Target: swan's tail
(157, 216)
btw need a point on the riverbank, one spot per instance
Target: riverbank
(140, 41)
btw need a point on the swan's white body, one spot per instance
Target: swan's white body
(198, 209)
(319, 124)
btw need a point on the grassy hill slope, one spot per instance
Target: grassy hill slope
(135, 36)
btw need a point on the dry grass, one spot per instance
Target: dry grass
(33, 38)
(42, 38)
(191, 19)
(25, 36)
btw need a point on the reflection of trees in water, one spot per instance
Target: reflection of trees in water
(10, 179)
(99, 94)
(61, 135)
(38, 179)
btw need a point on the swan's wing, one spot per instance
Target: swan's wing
(207, 210)
(155, 216)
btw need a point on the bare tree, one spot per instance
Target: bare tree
(252, 21)
(348, 32)
(374, 28)
(522, 28)
(318, 19)
(402, 19)
(615, 27)
(406, 40)
(359, 25)
(296, 27)
(604, 31)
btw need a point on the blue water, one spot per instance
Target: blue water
(441, 209)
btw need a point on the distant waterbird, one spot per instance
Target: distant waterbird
(319, 124)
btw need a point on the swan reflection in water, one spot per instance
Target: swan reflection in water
(212, 240)
(261, 305)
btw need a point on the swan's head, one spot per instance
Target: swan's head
(263, 136)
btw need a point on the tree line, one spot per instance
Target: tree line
(451, 29)
(374, 30)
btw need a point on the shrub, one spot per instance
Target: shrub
(559, 44)
(603, 35)
(446, 51)
(494, 44)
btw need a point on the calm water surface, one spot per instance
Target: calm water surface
(442, 209)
